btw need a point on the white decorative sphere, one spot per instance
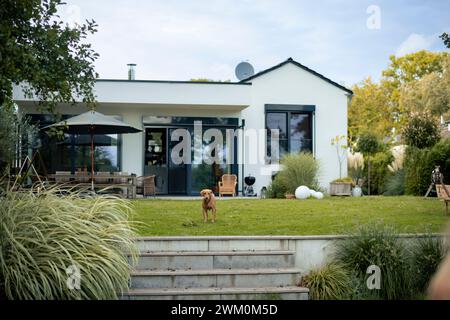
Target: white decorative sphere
(302, 192)
(318, 195)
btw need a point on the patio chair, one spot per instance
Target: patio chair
(443, 193)
(228, 185)
(62, 179)
(146, 185)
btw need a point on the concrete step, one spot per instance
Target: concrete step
(218, 278)
(211, 243)
(183, 260)
(262, 293)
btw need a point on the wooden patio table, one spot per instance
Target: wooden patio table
(111, 178)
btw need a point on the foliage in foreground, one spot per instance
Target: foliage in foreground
(297, 170)
(426, 253)
(43, 233)
(329, 282)
(380, 246)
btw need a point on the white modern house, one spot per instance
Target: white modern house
(307, 108)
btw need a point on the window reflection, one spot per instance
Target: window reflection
(72, 152)
(295, 132)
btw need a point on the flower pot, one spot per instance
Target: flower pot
(357, 191)
(340, 188)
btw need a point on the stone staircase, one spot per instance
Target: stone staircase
(185, 268)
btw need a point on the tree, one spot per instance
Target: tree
(413, 66)
(446, 38)
(378, 107)
(429, 94)
(368, 145)
(38, 50)
(369, 110)
(207, 80)
(340, 144)
(421, 131)
(50, 59)
(407, 69)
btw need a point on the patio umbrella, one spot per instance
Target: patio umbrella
(91, 123)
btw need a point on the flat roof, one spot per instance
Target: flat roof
(173, 81)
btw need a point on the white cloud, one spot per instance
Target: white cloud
(415, 42)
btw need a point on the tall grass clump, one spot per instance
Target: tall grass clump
(329, 282)
(46, 237)
(395, 184)
(377, 245)
(297, 169)
(426, 253)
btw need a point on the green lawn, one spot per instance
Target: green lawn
(290, 217)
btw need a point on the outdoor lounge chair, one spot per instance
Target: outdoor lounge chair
(228, 185)
(146, 185)
(443, 193)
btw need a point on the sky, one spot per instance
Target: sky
(345, 40)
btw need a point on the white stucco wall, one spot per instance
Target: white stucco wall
(290, 84)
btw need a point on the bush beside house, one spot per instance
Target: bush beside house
(300, 169)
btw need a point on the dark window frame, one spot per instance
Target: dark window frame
(289, 109)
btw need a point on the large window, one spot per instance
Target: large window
(294, 125)
(72, 152)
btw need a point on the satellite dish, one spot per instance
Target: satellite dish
(244, 70)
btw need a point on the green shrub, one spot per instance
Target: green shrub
(419, 163)
(379, 171)
(421, 131)
(42, 234)
(368, 144)
(329, 282)
(395, 184)
(297, 169)
(276, 190)
(426, 253)
(377, 245)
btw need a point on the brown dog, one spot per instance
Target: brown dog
(208, 203)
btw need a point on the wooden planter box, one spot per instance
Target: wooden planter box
(340, 189)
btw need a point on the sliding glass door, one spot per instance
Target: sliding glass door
(187, 178)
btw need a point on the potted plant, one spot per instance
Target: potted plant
(341, 187)
(356, 165)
